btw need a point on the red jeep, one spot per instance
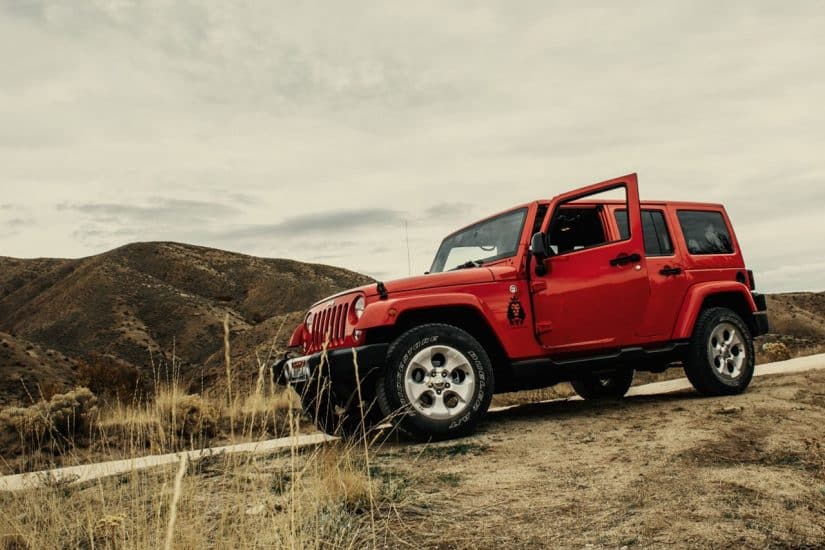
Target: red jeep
(587, 287)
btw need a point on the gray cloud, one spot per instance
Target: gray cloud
(447, 210)
(158, 210)
(328, 223)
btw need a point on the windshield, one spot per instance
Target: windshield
(483, 242)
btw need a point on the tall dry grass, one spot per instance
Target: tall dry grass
(323, 497)
(162, 416)
(77, 427)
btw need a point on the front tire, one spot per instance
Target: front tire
(438, 382)
(721, 356)
(612, 386)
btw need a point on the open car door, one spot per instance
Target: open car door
(593, 290)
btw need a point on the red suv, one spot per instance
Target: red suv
(587, 287)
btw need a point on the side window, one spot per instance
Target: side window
(654, 229)
(576, 228)
(662, 234)
(579, 222)
(705, 232)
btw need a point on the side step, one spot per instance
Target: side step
(543, 372)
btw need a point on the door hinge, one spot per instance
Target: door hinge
(536, 286)
(544, 326)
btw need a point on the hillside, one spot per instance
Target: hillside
(137, 305)
(798, 320)
(29, 371)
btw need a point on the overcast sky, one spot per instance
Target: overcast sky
(312, 130)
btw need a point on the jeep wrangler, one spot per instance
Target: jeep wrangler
(587, 287)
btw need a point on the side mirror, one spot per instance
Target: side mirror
(540, 250)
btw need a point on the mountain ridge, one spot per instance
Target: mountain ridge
(147, 303)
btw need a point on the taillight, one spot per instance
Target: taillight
(751, 281)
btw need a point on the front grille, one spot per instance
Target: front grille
(329, 325)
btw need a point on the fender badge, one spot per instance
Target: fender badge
(515, 312)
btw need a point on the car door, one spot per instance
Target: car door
(668, 283)
(595, 290)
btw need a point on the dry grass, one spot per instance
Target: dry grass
(322, 498)
(77, 427)
(55, 424)
(316, 499)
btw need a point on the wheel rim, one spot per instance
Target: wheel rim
(727, 352)
(439, 382)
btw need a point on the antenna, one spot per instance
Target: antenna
(409, 261)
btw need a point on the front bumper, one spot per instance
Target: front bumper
(343, 366)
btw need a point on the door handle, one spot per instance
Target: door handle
(667, 271)
(623, 259)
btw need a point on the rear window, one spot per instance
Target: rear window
(654, 229)
(705, 232)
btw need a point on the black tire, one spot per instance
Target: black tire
(475, 371)
(337, 411)
(703, 367)
(611, 386)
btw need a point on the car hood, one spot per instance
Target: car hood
(468, 276)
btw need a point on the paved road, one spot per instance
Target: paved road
(86, 472)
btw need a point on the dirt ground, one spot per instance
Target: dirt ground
(645, 472)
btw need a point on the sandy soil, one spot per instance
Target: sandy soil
(646, 472)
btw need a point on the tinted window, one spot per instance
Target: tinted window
(575, 228)
(705, 232)
(662, 234)
(654, 229)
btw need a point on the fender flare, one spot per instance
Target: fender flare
(696, 295)
(386, 312)
(297, 335)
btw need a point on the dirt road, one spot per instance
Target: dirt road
(647, 471)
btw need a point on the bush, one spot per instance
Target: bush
(63, 421)
(111, 378)
(776, 351)
(187, 416)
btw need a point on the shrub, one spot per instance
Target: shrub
(111, 378)
(64, 420)
(186, 416)
(776, 351)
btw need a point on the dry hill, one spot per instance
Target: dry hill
(136, 306)
(798, 321)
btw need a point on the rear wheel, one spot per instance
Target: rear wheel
(438, 382)
(610, 386)
(721, 356)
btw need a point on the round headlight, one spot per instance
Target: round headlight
(308, 321)
(358, 306)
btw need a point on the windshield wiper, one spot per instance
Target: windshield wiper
(467, 265)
